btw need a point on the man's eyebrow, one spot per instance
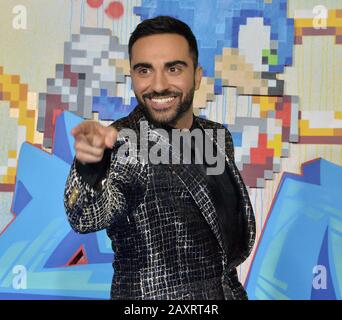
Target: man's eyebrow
(174, 63)
(167, 64)
(142, 65)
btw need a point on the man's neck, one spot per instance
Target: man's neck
(186, 121)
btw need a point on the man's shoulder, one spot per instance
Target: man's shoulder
(131, 121)
(209, 124)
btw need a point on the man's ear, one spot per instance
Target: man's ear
(198, 77)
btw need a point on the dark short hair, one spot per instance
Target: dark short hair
(164, 24)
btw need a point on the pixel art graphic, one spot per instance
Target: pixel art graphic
(93, 78)
(259, 67)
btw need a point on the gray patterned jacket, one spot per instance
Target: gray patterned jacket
(162, 223)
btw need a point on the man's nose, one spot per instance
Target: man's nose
(159, 82)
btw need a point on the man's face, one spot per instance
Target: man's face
(163, 75)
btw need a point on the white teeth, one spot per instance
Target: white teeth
(163, 100)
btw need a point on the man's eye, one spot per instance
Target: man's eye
(143, 71)
(173, 69)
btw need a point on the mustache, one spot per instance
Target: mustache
(165, 93)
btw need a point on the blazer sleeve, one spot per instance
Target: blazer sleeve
(90, 206)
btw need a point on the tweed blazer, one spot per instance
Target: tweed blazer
(162, 222)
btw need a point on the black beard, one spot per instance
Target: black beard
(182, 107)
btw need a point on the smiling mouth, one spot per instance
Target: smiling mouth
(162, 103)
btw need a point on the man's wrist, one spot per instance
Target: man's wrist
(94, 173)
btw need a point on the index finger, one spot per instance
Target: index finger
(81, 128)
(110, 135)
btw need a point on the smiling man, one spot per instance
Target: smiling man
(177, 232)
(165, 79)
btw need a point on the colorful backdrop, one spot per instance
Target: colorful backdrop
(272, 75)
